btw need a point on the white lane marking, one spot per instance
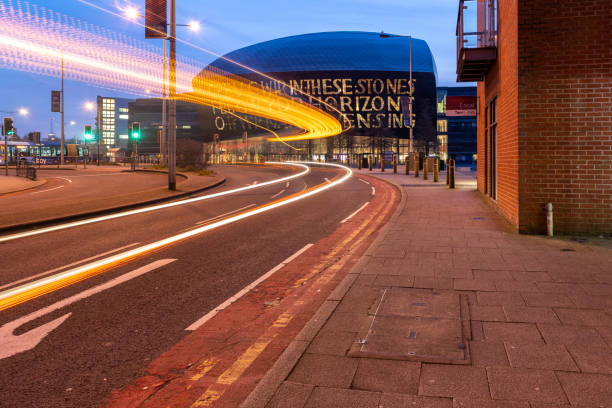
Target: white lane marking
(373, 190)
(355, 213)
(198, 323)
(44, 191)
(121, 173)
(111, 260)
(155, 207)
(326, 179)
(223, 215)
(67, 266)
(11, 344)
(64, 178)
(277, 194)
(363, 181)
(255, 182)
(287, 184)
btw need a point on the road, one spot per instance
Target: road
(104, 340)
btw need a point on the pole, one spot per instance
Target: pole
(163, 143)
(411, 100)
(99, 111)
(62, 114)
(172, 107)
(5, 152)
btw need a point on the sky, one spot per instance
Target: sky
(228, 25)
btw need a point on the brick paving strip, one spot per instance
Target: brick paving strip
(221, 362)
(540, 314)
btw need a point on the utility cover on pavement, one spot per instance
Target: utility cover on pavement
(419, 325)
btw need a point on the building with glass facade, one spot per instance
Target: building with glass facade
(112, 121)
(457, 136)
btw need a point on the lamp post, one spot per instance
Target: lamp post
(168, 135)
(411, 123)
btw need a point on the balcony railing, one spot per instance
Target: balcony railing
(476, 39)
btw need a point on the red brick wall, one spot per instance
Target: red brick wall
(565, 114)
(502, 82)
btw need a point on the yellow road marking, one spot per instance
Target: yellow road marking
(204, 367)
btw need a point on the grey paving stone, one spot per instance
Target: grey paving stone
(439, 380)
(324, 370)
(584, 317)
(588, 390)
(388, 376)
(290, 395)
(544, 357)
(463, 403)
(332, 342)
(517, 333)
(323, 397)
(500, 298)
(547, 299)
(412, 401)
(517, 384)
(488, 354)
(530, 314)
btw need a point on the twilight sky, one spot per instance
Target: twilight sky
(226, 26)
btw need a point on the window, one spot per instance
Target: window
(442, 101)
(442, 125)
(490, 147)
(124, 117)
(124, 110)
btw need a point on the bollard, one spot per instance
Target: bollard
(370, 162)
(549, 219)
(359, 162)
(425, 169)
(416, 165)
(407, 165)
(447, 170)
(382, 163)
(451, 177)
(394, 164)
(436, 170)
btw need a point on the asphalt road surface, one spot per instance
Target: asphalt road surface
(106, 336)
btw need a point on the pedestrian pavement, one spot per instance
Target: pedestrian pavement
(11, 184)
(22, 206)
(449, 307)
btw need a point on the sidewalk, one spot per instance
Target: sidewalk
(450, 308)
(11, 184)
(89, 194)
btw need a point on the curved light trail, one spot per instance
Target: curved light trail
(36, 40)
(23, 293)
(73, 224)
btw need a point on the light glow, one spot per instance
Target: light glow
(131, 13)
(89, 106)
(23, 112)
(194, 26)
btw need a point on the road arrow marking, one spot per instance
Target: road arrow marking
(11, 344)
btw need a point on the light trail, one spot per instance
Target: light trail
(24, 293)
(38, 41)
(155, 207)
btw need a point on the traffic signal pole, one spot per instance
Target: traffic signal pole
(172, 101)
(62, 114)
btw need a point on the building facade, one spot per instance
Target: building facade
(148, 112)
(366, 76)
(544, 72)
(112, 121)
(457, 124)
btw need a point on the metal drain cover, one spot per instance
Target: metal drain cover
(418, 325)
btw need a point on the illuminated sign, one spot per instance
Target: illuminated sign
(460, 106)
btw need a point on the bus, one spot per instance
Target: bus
(42, 153)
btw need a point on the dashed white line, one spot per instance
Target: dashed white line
(67, 266)
(64, 178)
(363, 181)
(224, 305)
(373, 190)
(277, 194)
(355, 213)
(44, 191)
(287, 184)
(223, 215)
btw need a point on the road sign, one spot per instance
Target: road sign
(156, 22)
(55, 101)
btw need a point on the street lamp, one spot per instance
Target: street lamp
(411, 126)
(23, 112)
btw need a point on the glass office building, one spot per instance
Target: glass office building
(457, 124)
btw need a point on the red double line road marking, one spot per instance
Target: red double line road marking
(220, 363)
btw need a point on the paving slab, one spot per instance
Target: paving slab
(523, 384)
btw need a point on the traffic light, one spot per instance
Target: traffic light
(8, 127)
(88, 135)
(135, 131)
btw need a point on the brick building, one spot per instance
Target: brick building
(544, 72)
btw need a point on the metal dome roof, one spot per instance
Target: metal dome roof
(332, 51)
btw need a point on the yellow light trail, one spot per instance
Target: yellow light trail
(15, 296)
(36, 40)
